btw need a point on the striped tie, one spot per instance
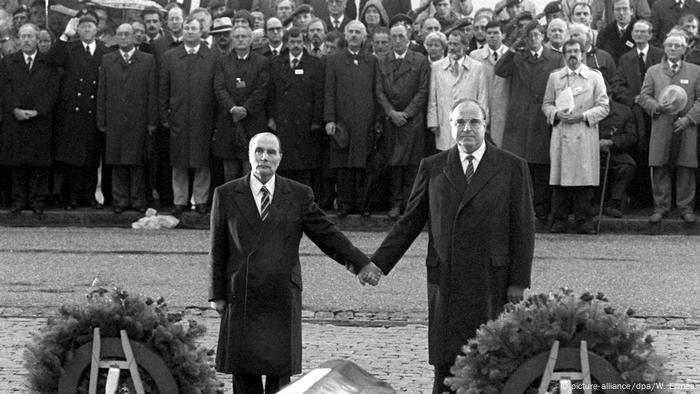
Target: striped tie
(265, 205)
(469, 173)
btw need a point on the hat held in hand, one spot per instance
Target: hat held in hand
(675, 96)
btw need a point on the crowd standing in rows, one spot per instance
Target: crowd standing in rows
(158, 108)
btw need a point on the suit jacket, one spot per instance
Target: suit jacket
(628, 80)
(27, 142)
(161, 45)
(345, 21)
(499, 92)
(610, 41)
(77, 140)
(254, 265)
(483, 237)
(619, 127)
(239, 83)
(295, 102)
(267, 52)
(127, 105)
(187, 104)
(665, 15)
(405, 89)
(658, 77)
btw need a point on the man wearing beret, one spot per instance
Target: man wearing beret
(79, 144)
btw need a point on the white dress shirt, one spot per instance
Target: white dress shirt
(256, 185)
(130, 53)
(478, 154)
(291, 59)
(189, 49)
(91, 46)
(33, 56)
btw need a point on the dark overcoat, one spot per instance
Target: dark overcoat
(77, 140)
(127, 104)
(403, 86)
(349, 99)
(254, 266)
(27, 142)
(240, 83)
(526, 131)
(295, 102)
(610, 40)
(161, 45)
(187, 104)
(483, 239)
(619, 127)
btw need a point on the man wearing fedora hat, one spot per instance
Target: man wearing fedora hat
(675, 113)
(221, 31)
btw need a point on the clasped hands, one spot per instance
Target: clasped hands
(24, 114)
(568, 117)
(370, 274)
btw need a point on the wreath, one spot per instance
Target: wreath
(145, 320)
(530, 327)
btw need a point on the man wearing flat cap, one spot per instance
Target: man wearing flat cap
(79, 144)
(673, 139)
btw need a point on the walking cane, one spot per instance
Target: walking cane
(602, 191)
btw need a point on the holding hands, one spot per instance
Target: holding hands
(370, 274)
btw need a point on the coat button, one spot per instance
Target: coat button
(92, 97)
(77, 109)
(81, 80)
(89, 111)
(79, 94)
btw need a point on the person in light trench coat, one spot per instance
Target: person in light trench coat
(574, 147)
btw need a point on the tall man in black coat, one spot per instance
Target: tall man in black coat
(257, 222)
(240, 83)
(616, 38)
(79, 144)
(402, 91)
(295, 108)
(29, 91)
(127, 111)
(477, 201)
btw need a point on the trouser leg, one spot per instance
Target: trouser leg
(120, 186)
(20, 186)
(397, 186)
(685, 189)
(273, 384)
(560, 204)
(181, 183)
(622, 175)
(38, 185)
(441, 372)
(247, 384)
(200, 186)
(582, 196)
(542, 192)
(137, 189)
(233, 169)
(661, 188)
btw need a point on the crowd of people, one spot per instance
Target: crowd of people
(156, 107)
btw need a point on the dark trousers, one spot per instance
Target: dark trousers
(401, 183)
(620, 175)
(542, 192)
(80, 184)
(5, 185)
(324, 178)
(252, 384)
(566, 199)
(30, 185)
(441, 372)
(234, 168)
(351, 182)
(301, 176)
(129, 186)
(164, 175)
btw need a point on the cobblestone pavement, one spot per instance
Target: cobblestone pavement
(397, 354)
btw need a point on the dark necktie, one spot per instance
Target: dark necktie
(29, 63)
(274, 52)
(535, 55)
(495, 56)
(126, 58)
(265, 204)
(674, 67)
(315, 51)
(469, 173)
(397, 65)
(336, 24)
(295, 63)
(87, 50)
(642, 65)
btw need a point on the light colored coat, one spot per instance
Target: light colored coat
(658, 77)
(446, 90)
(574, 150)
(499, 91)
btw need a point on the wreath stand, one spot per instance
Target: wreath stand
(116, 354)
(588, 365)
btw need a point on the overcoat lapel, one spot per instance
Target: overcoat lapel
(453, 171)
(487, 169)
(279, 205)
(246, 205)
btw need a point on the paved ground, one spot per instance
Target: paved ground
(42, 268)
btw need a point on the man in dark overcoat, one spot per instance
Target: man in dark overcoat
(78, 142)
(29, 91)
(240, 82)
(127, 111)
(257, 222)
(526, 132)
(170, 39)
(477, 202)
(350, 100)
(616, 37)
(295, 107)
(187, 109)
(403, 80)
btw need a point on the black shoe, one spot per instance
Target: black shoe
(366, 213)
(97, 205)
(343, 212)
(586, 227)
(612, 211)
(38, 209)
(202, 209)
(394, 213)
(558, 227)
(72, 205)
(141, 209)
(118, 209)
(178, 209)
(16, 208)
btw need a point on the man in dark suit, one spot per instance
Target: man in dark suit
(626, 86)
(255, 277)
(127, 111)
(29, 91)
(616, 38)
(666, 13)
(350, 100)
(187, 109)
(274, 32)
(79, 144)
(477, 202)
(402, 91)
(295, 107)
(337, 18)
(240, 83)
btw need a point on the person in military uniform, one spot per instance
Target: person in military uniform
(78, 142)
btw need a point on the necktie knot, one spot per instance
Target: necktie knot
(336, 23)
(674, 67)
(29, 62)
(190, 51)
(495, 56)
(126, 57)
(536, 56)
(274, 52)
(295, 63)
